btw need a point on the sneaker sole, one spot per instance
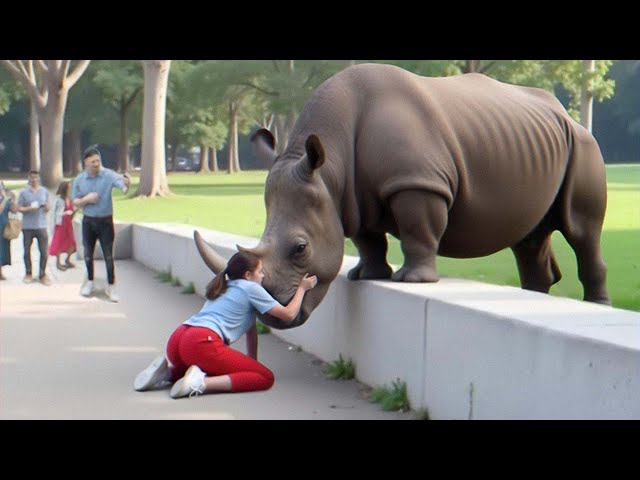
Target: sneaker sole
(151, 375)
(179, 388)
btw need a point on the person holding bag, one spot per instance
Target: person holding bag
(7, 204)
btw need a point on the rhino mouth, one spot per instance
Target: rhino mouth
(279, 324)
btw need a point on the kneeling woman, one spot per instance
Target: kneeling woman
(199, 352)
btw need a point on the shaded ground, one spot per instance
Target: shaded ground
(63, 356)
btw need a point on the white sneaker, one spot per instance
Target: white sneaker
(111, 293)
(192, 384)
(154, 376)
(87, 288)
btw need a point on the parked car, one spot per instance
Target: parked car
(184, 164)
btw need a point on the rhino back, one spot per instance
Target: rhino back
(496, 152)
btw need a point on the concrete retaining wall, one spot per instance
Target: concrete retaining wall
(465, 349)
(121, 245)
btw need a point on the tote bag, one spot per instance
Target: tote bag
(13, 227)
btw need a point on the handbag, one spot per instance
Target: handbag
(13, 227)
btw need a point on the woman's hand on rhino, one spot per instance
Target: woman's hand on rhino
(308, 282)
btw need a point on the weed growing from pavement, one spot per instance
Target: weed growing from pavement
(340, 369)
(189, 289)
(422, 414)
(262, 328)
(165, 277)
(392, 398)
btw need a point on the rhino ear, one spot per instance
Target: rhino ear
(264, 146)
(315, 151)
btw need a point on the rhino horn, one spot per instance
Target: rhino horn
(259, 250)
(214, 261)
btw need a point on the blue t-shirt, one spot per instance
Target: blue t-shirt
(102, 184)
(234, 312)
(38, 219)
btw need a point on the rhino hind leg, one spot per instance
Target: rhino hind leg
(584, 201)
(592, 270)
(536, 262)
(421, 219)
(373, 265)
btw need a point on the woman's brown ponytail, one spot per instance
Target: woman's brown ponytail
(217, 286)
(238, 265)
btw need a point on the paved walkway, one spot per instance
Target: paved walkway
(63, 356)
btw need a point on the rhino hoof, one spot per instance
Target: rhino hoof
(415, 275)
(362, 272)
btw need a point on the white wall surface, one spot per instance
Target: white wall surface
(465, 349)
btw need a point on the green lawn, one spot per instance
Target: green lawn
(234, 203)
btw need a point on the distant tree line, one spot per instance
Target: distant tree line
(51, 110)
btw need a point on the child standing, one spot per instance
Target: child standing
(63, 239)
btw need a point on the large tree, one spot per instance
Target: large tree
(48, 86)
(224, 92)
(86, 111)
(287, 85)
(10, 91)
(120, 81)
(281, 87)
(584, 80)
(153, 175)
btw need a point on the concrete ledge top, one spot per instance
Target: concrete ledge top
(211, 236)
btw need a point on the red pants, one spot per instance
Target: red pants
(203, 347)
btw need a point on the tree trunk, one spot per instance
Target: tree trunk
(236, 152)
(267, 121)
(52, 131)
(66, 154)
(281, 134)
(213, 158)
(586, 99)
(74, 151)
(204, 159)
(153, 176)
(123, 146)
(232, 143)
(472, 66)
(291, 121)
(34, 138)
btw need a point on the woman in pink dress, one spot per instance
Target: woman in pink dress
(63, 240)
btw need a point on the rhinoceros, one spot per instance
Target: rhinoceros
(460, 166)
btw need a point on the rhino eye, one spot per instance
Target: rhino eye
(300, 248)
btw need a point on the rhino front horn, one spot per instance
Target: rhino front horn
(215, 262)
(259, 250)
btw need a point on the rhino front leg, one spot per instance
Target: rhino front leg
(373, 265)
(421, 218)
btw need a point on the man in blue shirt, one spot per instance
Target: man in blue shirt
(92, 192)
(33, 203)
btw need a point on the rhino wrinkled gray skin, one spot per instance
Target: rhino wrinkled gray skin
(459, 166)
